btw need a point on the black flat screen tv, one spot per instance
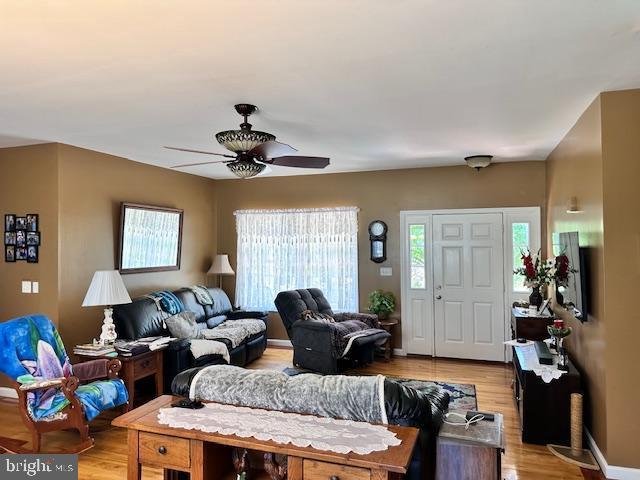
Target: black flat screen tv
(576, 292)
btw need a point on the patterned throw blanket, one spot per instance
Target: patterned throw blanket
(334, 396)
(168, 301)
(235, 331)
(344, 333)
(32, 353)
(203, 297)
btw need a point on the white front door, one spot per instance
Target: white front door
(468, 280)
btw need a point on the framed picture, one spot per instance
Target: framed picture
(33, 238)
(21, 253)
(10, 222)
(32, 254)
(142, 224)
(9, 253)
(32, 222)
(9, 238)
(21, 223)
(21, 238)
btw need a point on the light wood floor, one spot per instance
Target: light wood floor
(108, 459)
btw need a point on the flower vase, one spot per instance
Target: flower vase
(563, 359)
(559, 297)
(535, 298)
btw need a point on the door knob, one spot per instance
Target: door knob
(438, 297)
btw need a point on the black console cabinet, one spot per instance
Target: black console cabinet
(544, 408)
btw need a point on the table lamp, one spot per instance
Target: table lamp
(220, 267)
(106, 289)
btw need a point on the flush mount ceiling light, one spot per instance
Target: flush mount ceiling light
(478, 161)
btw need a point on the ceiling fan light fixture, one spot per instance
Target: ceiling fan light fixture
(478, 161)
(243, 140)
(246, 168)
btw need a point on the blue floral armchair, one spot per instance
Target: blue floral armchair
(53, 394)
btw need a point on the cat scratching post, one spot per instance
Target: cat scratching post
(575, 453)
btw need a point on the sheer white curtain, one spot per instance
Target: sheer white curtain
(287, 249)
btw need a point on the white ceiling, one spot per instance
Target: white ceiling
(374, 84)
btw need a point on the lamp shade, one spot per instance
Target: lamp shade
(107, 288)
(221, 266)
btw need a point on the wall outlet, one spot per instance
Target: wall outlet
(386, 271)
(35, 287)
(26, 286)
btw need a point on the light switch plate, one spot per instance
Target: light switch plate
(26, 286)
(35, 287)
(386, 271)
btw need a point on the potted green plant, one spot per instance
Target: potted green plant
(382, 303)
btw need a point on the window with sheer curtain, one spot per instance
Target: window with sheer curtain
(288, 249)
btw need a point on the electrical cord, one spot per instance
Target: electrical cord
(466, 423)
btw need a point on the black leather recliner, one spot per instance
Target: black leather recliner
(141, 318)
(313, 347)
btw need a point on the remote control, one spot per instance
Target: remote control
(186, 403)
(489, 417)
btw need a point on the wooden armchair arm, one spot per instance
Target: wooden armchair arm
(42, 384)
(98, 369)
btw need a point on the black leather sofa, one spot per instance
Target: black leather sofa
(312, 340)
(404, 406)
(141, 318)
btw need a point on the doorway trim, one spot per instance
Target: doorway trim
(510, 215)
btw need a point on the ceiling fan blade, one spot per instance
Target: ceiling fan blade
(200, 163)
(300, 162)
(199, 151)
(272, 149)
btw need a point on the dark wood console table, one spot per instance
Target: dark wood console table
(209, 455)
(529, 327)
(544, 408)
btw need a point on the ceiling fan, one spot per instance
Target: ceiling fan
(254, 150)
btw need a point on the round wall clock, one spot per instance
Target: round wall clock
(378, 241)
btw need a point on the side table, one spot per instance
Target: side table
(136, 367)
(388, 325)
(472, 453)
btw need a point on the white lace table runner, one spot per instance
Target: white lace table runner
(529, 361)
(340, 436)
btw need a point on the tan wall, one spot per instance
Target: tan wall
(621, 159)
(574, 168)
(598, 163)
(92, 186)
(29, 184)
(379, 195)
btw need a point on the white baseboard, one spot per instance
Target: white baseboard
(399, 352)
(612, 472)
(275, 342)
(8, 392)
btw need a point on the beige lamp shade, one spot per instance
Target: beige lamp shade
(221, 266)
(106, 288)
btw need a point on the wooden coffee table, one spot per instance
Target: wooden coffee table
(209, 455)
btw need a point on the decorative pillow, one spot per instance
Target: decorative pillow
(182, 325)
(317, 316)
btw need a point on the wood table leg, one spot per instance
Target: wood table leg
(130, 383)
(134, 471)
(159, 373)
(294, 468)
(379, 475)
(197, 460)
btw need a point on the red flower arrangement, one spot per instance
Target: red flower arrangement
(536, 273)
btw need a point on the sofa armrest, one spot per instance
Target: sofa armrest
(311, 326)
(368, 318)
(237, 314)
